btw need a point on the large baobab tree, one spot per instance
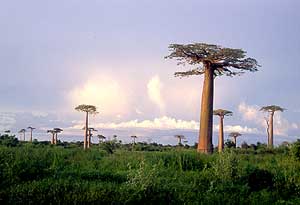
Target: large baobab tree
(23, 131)
(31, 129)
(179, 138)
(234, 135)
(210, 61)
(221, 113)
(53, 132)
(88, 109)
(56, 131)
(271, 109)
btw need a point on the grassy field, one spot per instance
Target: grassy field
(38, 173)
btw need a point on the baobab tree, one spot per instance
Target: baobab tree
(115, 137)
(179, 138)
(56, 130)
(221, 113)
(101, 138)
(234, 135)
(133, 138)
(53, 132)
(271, 109)
(7, 131)
(90, 134)
(211, 61)
(88, 109)
(31, 129)
(23, 131)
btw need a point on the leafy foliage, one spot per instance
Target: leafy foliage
(223, 61)
(39, 173)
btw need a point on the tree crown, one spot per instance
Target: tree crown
(57, 130)
(222, 113)
(223, 61)
(87, 108)
(22, 130)
(31, 128)
(272, 108)
(179, 136)
(101, 137)
(51, 131)
(235, 134)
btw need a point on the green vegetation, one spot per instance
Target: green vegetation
(113, 173)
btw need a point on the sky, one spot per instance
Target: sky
(57, 54)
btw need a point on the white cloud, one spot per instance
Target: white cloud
(105, 93)
(7, 120)
(252, 114)
(154, 92)
(157, 123)
(39, 114)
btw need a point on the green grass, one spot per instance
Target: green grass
(43, 174)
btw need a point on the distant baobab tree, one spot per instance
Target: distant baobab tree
(53, 132)
(90, 134)
(101, 138)
(133, 138)
(115, 137)
(212, 61)
(221, 113)
(31, 129)
(88, 109)
(56, 131)
(271, 109)
(7, 131)
(23, 131)
(234, 135)
(179, 138)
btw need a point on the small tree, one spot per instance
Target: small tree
(53, 132)
(213, 61)
(56, 131)
(88, 109)
(133, 138)
(31, 129)
(234, 135)
(179, 138)
(23, 131)
(90, 130)
(221, 113)
(101, 138)
(271, 109)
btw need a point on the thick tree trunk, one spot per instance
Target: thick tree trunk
(89, 139)
(221, 135)
(86, 131)
(31, 136)
(206, 116)
(270, 137)
(55, 139)
(234, 141)
(52, 139)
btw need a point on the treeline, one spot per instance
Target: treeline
(40, 173)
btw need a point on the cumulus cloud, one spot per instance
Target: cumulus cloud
(157, 123)
(104, 92)
(154, 87)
